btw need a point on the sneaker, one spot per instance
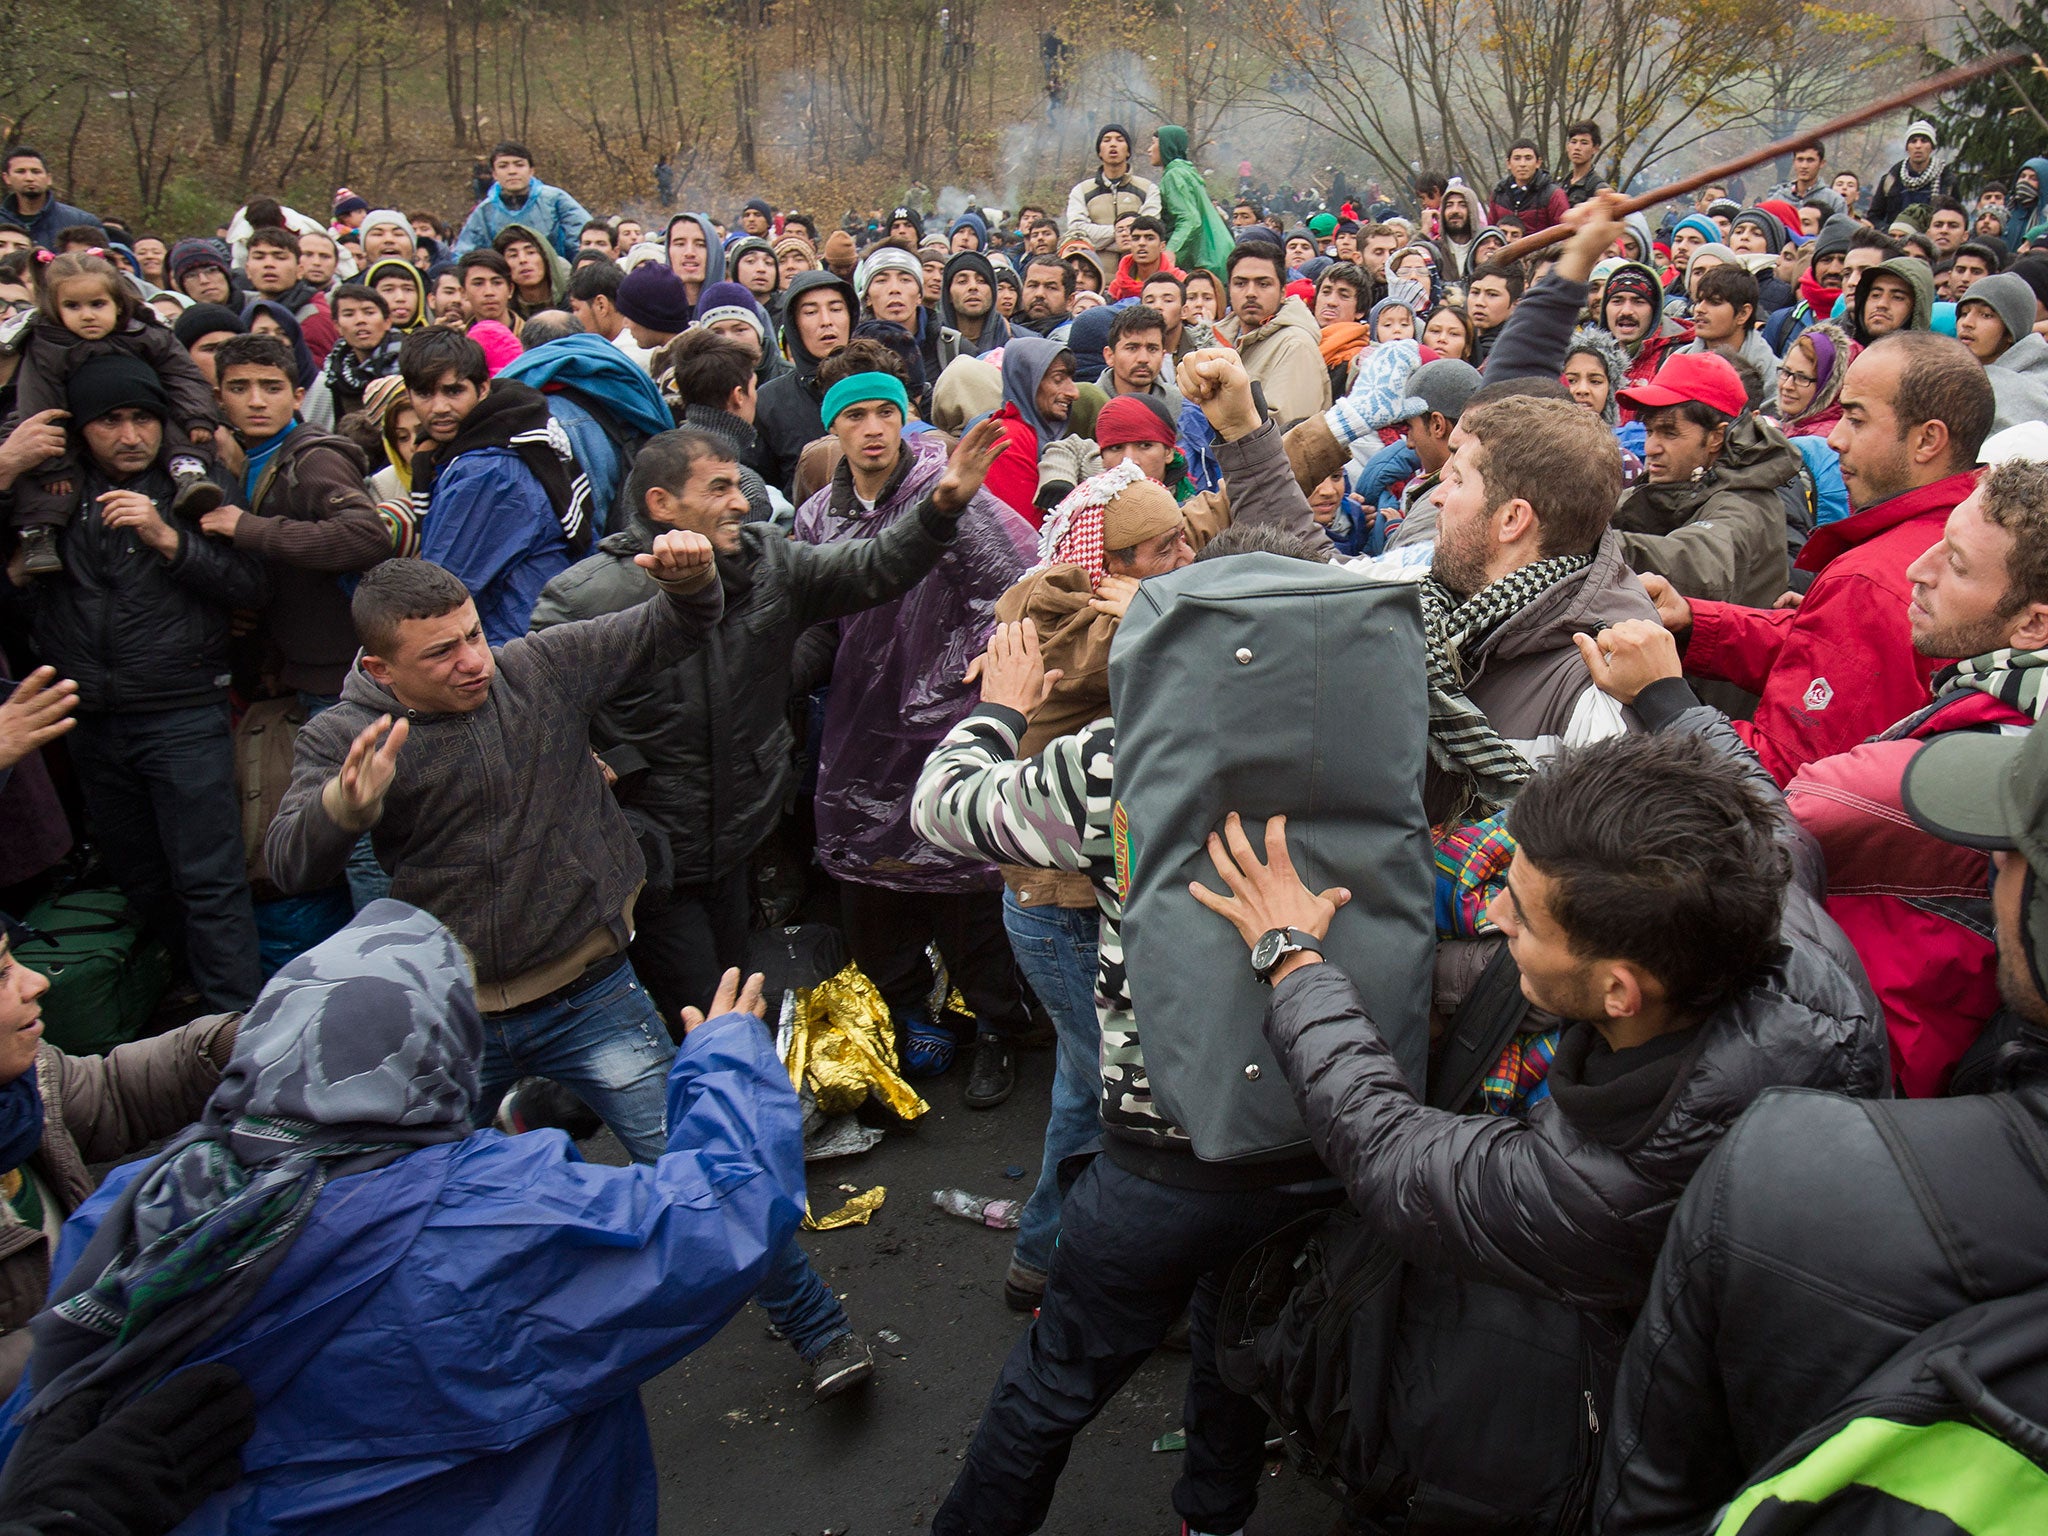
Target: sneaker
(927, 1047)
(1023, 1287)
(845, 1364)
(39, 552)
(992, 1074)
(196, 495)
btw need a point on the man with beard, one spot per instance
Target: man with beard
(968, 303)
(1460, 224)
(1527, 193)
(1632, 312)
(1048, 290)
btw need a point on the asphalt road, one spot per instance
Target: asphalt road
(743, 1449)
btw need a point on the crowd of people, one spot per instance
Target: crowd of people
(455, 638)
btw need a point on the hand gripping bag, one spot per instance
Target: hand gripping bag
(1268, 686)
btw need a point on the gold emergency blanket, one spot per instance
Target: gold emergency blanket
(857, 1212)
(842, 1039)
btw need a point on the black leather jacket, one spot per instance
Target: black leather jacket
(703, 749)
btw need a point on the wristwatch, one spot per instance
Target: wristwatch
(1276, 944)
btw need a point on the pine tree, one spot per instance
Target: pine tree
(1993, 125)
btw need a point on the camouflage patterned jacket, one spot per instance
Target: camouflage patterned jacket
(1051, 811)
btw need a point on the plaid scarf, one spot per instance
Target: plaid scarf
(2016, 678)
(1461, 740)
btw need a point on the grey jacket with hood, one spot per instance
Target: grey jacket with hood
(1721, 537)
(498, 820)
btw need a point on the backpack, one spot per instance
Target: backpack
(106, 976)
(1948, 1436)
(1265, 685)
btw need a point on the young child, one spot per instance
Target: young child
(87, 309)
(1391, 320)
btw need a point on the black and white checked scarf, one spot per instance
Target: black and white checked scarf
(1462, 742)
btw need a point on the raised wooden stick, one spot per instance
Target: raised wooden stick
(1933, 85)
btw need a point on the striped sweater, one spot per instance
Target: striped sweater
(1052, 811)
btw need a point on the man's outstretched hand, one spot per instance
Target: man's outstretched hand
(968, 466)
(354, 797)
(680, 560)
(36, 713)
(731, 997)
(1264, 896)
(1012, 671)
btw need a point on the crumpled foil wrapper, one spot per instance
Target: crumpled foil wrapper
(839, 1038)
(857, 1212)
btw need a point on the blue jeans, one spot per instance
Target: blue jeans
(605, 1042)
(800, 1303)
(1055, 949)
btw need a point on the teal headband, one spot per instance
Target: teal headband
(857, 387)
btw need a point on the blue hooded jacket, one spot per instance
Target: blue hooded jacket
(547, 211)
(2025, 222)
(973, 221)
(454, 1344)
(581, 376)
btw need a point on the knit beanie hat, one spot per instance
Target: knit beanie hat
(1834, 237)
(1636, 280)
(653, 296)
(206, 320)
(112, 382)
(1130, 419)
(1920, 128)
(347, 202)
(731, 301)
(1105, 130)
(382, 216)
(199, 251)
(885, 258)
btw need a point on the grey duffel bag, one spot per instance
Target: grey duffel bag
(1268, 686)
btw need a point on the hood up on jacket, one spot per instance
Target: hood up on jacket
(995, 330)
(1606, 351)
(558, 269)
(1915, 274)
(714, 248)
(1666, 326)
(739, 248)
(806, 366)
(393, 266)
(1025, 361)
(971, 221)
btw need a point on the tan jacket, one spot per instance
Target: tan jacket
(97, 1109)
(1285, 359)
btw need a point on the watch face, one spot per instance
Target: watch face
(1266, 952)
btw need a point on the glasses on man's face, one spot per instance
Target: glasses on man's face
(1803, 380)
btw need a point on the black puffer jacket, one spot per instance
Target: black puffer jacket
(703, 748)
(786, 416)
(1798, 1264)
(1521, 1233)
(139, 632)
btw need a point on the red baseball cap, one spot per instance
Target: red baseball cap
(1703, 376)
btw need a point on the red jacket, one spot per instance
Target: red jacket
(1537, 216)
(1670, 335)
(1841, 666)
(1918, 909)
(1126, 286)
(1013, 478)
